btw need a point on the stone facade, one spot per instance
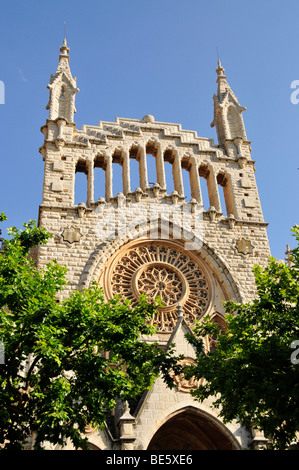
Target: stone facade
(150, 239)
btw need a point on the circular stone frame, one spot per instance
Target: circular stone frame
(125, 268)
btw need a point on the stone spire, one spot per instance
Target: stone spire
(228, 118)
(64, 51)
(223, 86)
(62, 88)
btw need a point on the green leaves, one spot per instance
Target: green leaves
(251, 371)
(66, 362)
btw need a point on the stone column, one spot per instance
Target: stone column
(60, 141)
(108, 179)
(90, 182)
(259, 441)
(213, 190)
(126, 173)
(194, 182)
(160, 169)
(177, 175)
(125, 425)
(143, 169)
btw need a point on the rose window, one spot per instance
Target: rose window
(160, 281)
(165, 271)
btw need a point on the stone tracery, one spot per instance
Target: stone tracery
(162, 270)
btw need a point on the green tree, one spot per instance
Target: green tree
(254, 369)
(55, 379)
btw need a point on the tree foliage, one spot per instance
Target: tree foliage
(57, 376)
(254, 370)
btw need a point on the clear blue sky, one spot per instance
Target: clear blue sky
(137, 57)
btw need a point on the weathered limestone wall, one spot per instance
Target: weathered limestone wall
(77, 243)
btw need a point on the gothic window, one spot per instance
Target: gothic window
(212, 341)
(62, 103)
(234, 124)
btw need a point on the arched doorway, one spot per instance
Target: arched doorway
(191, 430)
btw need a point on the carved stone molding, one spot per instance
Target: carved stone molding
(71, 235)
(244, 246)
(182, 384)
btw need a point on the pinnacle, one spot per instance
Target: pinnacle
(220, 70)
(64, 50)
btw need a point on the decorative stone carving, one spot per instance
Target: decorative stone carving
(156, 189)
(81, 209)
(182, 384)
(242, 162)
(231, 221)
(159, 280)
(212, 213)
(138, 194)
(174, 197)
(165, 271)
(148, 118)
(244, 246)
(89, 429)
(71, 235)
(126, 430)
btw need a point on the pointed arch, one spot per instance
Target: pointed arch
(218, 318)
(62, 103)
(234, 122)
(193, 429)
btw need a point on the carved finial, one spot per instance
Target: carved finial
(64, 49)
(126, 415)
(220, 70)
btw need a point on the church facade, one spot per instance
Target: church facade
(143, 236)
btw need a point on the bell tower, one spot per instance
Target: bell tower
(144, 237)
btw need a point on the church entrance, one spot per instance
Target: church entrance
(190, 430)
